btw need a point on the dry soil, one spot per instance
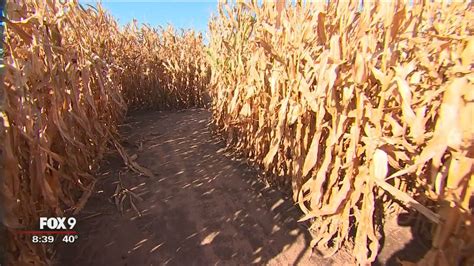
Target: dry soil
(204, 207)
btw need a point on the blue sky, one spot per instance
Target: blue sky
(181, 14)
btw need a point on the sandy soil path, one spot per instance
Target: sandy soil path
(202, 208)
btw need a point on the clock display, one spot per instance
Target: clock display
(42, 239)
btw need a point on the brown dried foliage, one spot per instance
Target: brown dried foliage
(169, 69)
(70, 73)
(353, 106)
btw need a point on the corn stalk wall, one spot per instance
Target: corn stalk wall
(69, 76)
(353, 106)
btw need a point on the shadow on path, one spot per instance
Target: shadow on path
(201, 208)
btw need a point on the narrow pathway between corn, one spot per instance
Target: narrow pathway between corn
(202, 208)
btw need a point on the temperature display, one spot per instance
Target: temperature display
(70, 238)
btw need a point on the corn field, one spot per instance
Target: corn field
(70, 75)
(356, 107)
(169, 69)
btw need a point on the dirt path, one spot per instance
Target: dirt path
(202, 207)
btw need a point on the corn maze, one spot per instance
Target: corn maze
(363, 110)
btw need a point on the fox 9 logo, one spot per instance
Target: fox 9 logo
(57, 223)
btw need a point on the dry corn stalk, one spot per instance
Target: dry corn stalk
(343, 99)
(162, 68)
(70, 74)
(60, 109)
